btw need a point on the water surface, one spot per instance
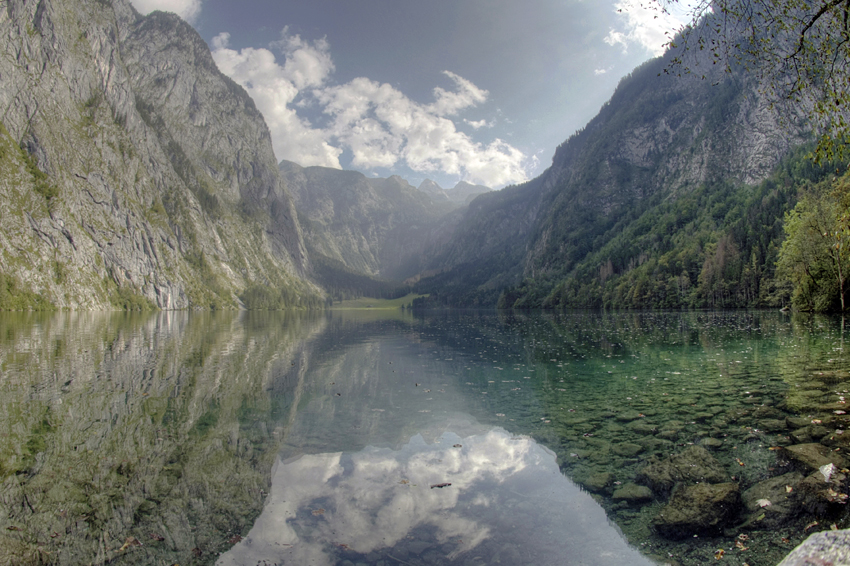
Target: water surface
(241, 438)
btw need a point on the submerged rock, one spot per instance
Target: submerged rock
(698, 509)
(772, 425)
(692, 465)
(711, 443)
(598, 482)
(632, 493)
(797, 422)
(627, 449)
(811, 456)
(824, 494)
(773, 502)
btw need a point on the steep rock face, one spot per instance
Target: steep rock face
(658, 134)
(659, 137)
(380, 227)
(132, 170)
(462, 192)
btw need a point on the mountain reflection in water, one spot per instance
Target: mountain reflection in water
(507, 503)
(161, 438)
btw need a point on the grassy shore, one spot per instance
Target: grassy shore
(376, 304)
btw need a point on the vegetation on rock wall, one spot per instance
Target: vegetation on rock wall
(714, 247)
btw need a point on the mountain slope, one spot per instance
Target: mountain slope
(377, 227)
(133, 171)
(658, 139)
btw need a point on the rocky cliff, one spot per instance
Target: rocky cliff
(132, 172)
(658, 140)
(379, 227)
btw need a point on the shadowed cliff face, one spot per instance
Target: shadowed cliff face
(131, 167)
(659, 137)
(159, 429)
(380, 227)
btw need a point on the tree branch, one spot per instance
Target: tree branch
(820, 13)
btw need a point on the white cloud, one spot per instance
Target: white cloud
(377, 123)
(478, 124)
(449, 103)
(382, 126)
(186, 9)
(276, 88)
(647, 25)
(598, 72)
(378, 499)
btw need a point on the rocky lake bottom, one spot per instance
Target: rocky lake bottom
(444, 438)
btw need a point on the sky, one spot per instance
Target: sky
(481, 91)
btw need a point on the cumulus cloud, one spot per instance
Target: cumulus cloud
(275, 89)
(186, 9)
(478, 124)
(646, 25)
(377, 123)
(381, 126)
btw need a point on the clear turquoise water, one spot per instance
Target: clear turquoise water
(289, 438)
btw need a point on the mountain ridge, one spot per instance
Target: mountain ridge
(123, 187)
(658, 138)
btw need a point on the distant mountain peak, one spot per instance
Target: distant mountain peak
(429, 186)
(464, 191)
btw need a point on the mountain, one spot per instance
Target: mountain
(375, 227)
(463, 191)
(134, 173)
(431, 188)
(633, 187)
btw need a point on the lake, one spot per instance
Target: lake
(387, 437)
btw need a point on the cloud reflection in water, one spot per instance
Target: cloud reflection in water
(508, 503)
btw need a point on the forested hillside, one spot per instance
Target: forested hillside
(714, 247)
(673, 196)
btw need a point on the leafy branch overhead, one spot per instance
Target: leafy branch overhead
(799, 49)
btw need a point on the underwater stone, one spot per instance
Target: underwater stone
(642, 427)
(801, 436)
(669, 434)
(627, 449)
(767, 412)
(812, 456)
(598, 481)
(772, 425)
(694, 464)
(632, 493)
(797, 422)
(820, 497)
(698, 509)
(783, 503)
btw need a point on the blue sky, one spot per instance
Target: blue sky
(451, 90)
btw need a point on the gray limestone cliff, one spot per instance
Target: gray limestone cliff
(659, 138)
(378, 227)
(132, 172)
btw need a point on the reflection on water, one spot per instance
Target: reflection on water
(503, 500)
(140, 439)
(316, 438)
